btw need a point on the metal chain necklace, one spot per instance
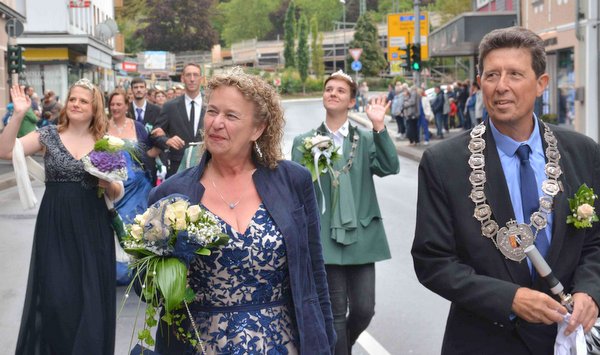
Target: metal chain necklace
(231, 205)
(120, 129)
(512, 239)
(346, 168)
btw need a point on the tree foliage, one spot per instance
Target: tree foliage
(244, 19)
(367, 38)
(290, 37)
(128, 18)
(449, 9)
(325, 11)
(179, 25)
(316, 45)
(303, 60)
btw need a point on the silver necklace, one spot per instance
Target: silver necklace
(231, 205)
(122, 128)
(513, 238)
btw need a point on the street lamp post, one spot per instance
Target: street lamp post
(344, 29)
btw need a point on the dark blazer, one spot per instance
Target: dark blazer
(437, 106)
(150, 115)
(454, 260)
(288, 195)
(173, 119)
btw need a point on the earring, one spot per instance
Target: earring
(258, 151)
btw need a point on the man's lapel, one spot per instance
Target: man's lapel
(560, 208)
(498, 197)
(185, 120)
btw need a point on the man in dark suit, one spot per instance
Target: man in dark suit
(144, 112)
(499, 305)
(140, 109)
(181, 119)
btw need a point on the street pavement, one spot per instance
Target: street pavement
(403, 146)
(18, 225)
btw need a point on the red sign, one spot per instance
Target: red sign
(130, 67)
(355, 53)
(79, 3)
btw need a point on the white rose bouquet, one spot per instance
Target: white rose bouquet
(318, 154)
(164, 240)
(582, 208)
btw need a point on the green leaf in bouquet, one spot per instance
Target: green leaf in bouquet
(171, 278)
(167, 318)
(223, 240)
(203, 251)
(138, 253)
(101, 145)
(190, 295)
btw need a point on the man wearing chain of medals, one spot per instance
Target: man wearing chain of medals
(475, 216)
(352, 232)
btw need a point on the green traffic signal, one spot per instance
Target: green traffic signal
(416, 56)
(16, 62)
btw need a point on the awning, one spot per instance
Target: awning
(461, 36)
(10, 12)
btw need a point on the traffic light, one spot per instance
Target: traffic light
(16, 62)
(405, 57)
(415, 56)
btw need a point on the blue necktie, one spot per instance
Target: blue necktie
(529, 196)
(139, 117)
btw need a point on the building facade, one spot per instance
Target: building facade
(570, 34)
(68, 40)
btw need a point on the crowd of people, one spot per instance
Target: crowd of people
(298, 273)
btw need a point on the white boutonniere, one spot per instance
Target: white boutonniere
(582, 208)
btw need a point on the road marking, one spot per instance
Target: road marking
(371, 345)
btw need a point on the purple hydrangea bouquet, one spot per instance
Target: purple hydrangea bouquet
(106, 160)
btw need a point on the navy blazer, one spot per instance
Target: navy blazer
(288, 195)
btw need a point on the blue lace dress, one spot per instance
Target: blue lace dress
(70, 304)
(243, 303)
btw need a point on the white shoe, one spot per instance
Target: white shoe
(426, 143)
(399, 135)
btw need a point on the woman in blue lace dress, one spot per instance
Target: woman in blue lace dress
(138, 183)
(265, 292)
(70, 301)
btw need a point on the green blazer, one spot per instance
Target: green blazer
(352, 231)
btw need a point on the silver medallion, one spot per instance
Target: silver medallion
(477, 161)
(477, 194)
(482, 212)
(546, 203)
(553, 170)
(478, 131)
(476, 145)
(550, 187)
(513, 239)
(477, 178)
(539, 220)
(489, 228)
(553, 154)
(550, 138)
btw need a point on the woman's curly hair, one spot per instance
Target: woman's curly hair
(267, 111)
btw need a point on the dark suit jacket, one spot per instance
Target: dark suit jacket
(454, 260)
(288, 195)
(173, 119)
(150, 115)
